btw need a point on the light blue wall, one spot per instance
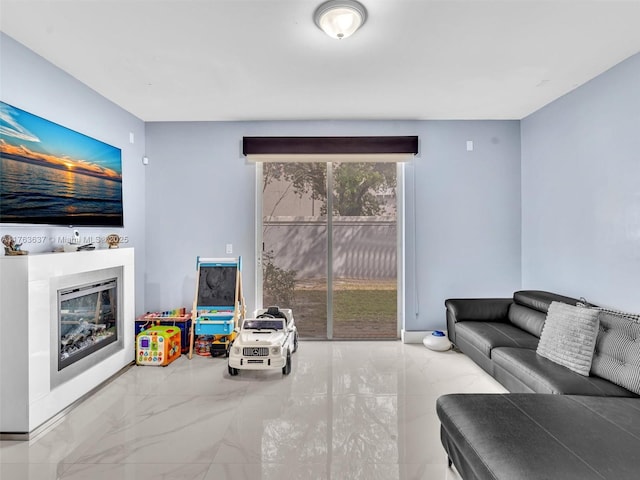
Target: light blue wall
(463, 236)
(467, 219)
(29, 82)
(550, 202)
(198, 192)
(581, 191)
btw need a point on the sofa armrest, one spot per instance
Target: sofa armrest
(476, 310)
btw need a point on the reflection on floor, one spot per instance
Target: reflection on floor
(349, 410)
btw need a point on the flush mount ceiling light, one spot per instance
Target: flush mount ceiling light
(340, 18)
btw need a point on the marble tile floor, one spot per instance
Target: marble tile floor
(348, 410)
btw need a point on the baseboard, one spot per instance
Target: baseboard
(413, 336)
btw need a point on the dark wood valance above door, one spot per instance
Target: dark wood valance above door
(385, 148)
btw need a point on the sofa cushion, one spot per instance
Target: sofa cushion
(540, 300)
(569, 336)
(529, 309)
(528, 319)
(617, 352)
(485, 336)
(523, 370)
(535, 437)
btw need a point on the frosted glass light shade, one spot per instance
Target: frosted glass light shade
(340, 18)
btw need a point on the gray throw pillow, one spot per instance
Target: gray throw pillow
(569, 335)
(617, 354)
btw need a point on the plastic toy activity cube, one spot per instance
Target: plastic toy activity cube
(159, 345)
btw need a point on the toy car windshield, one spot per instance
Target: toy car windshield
(263, 324)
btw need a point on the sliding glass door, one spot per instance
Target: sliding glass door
(294, 243)
(329, 247)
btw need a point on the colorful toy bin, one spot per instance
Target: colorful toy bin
(159, 345)
(170, 318)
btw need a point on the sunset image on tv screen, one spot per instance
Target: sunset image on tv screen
(50, 174)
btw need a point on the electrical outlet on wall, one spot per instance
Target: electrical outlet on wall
(229, 248)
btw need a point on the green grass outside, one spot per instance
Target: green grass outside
(357, 313)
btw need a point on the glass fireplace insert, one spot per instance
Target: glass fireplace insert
(87, 320)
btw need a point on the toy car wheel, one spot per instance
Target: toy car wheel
(295, 343)
(286, 370)
(234, 371)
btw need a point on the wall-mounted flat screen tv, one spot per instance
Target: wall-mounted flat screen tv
(52, 175)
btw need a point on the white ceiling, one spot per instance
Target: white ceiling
(174, 60)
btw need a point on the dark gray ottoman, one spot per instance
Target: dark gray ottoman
(538, 436)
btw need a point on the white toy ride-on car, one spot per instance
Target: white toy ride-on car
(264, 342)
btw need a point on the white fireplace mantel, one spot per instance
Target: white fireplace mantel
(29, 393)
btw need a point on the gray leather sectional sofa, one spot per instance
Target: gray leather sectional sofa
(555, 423)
